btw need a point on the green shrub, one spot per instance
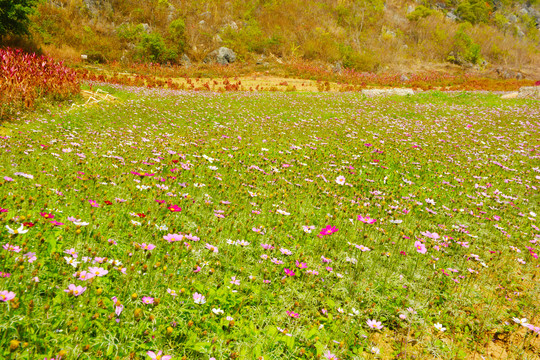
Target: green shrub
(249, 39)
(177, 34)
(152, 48)
(420, 12)
(360, 61)
(129, 32)
(475, 11)
(464, 48)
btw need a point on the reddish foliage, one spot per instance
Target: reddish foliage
(27, 77)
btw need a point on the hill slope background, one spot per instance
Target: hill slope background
(365, 35)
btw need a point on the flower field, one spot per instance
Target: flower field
(198, 225)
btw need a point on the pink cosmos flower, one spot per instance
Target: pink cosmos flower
(56, 223)
(93, 203)
(147, 300)
(199, 298)
(46, 215)
(118, 307)
(212, 248)
(366, 219)
(430, 235)
(292, 314)
(289, 272)
(75, 290)
(98, 271)
(421, 248)
(173, 237)
(174, 208)
(285, 251)
(328, 230)
(158, 356)
(325, 260)
(329, 356)
(301, 265)
(148, 247)
(267, 246)
(374, 324)
(3, 210)
(6, 295)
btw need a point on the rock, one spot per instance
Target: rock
(223, 56)
(403, 78)
(217, 38)
(519, 76)
(410, 9)
(261, 59)
(524, 11)
(232, 25)
(529, 92)
(202, 23)
(186, 61)
(510, 96)
(450, 15)
(146, 28)
(388, 92)
(206, 14)
(512, 18)
(172, 10)
(338, 67)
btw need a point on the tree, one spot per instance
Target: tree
(14, 16)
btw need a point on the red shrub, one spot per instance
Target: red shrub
(27, 77)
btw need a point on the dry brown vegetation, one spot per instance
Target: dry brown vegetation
(366, 35)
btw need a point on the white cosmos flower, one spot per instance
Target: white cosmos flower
(439, 327)
(340, 180)
(217, 311)
(20, 230)
(282, 212)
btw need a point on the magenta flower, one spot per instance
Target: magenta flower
(289, 272)
(158, 356)
(174, 208)
(56, 223)
(3, 210)
(6, 295)
(421, 248)
(147, 300)
(93, 203)
(46, 215)
(301, 265)
(328, 230)
(293, 314)
(374, 324)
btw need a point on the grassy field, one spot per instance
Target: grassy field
(272, 226)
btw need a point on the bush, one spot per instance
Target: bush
(465, 50)
(27, 77)
(152, 48)
(419, 12)
(365, 61)
(177, 34)
(475, 11)
(14, 16)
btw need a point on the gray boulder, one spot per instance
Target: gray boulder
(222, 56)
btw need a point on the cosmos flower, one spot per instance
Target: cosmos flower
(374, 324)
(6, 295)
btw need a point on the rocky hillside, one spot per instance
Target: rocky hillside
(367, 35)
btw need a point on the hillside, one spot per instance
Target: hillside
(366, 35)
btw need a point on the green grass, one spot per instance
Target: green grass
(428, 146)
